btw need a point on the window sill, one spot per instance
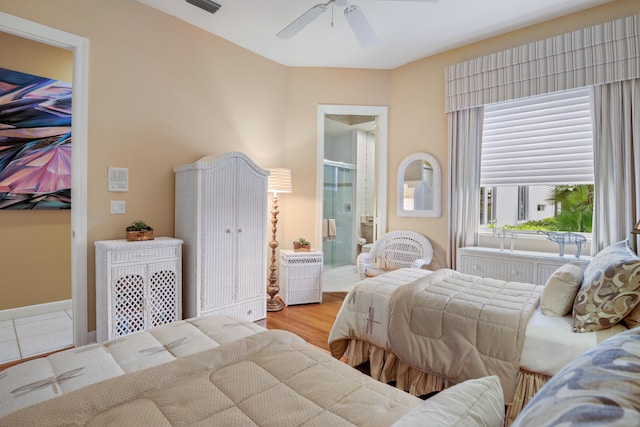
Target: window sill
(530, 241)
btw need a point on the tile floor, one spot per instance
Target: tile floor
(339, 279)
(30, 336)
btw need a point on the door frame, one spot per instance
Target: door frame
(79, 124)
(380, 224)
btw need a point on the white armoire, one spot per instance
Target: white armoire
(221, 215)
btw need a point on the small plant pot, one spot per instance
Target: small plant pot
(302, 248)
(136, 236)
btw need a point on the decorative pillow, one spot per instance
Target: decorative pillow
(478, 402)
(610, 289)
(560, 290)
(599, 388)
(633, 319)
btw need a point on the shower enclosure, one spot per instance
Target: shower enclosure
(338, 214)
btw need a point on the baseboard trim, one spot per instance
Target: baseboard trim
(33, 310)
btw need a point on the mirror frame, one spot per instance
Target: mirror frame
(437, 186)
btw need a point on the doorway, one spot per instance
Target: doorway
(341, 181)
(80, 48)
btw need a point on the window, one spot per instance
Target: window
(537, 163)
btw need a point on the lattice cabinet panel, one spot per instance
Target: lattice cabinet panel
(128, 295)
(163, 298)
(138, 285)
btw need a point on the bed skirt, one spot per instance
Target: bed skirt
(386, 367)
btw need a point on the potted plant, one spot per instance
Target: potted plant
(301, 245)
(139, 230)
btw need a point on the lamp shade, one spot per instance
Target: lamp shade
(636, 228)
(279, 181)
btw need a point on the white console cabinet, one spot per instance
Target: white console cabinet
(520, 266)
(138, 285)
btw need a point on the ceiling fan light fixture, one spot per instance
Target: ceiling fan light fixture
(302, 21)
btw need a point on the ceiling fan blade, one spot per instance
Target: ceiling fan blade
(417, 1)
(360, 25)
(302, 21)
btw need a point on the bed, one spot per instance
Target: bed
(382, 316)
(221, 370)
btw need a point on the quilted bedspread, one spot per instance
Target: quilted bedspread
(461, 326)
(442, 322)
(63, 372)
(270, 378)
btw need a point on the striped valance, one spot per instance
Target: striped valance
(596, 55)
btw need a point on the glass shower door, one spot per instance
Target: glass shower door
(338, 214)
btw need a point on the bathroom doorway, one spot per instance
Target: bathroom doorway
(352, 138)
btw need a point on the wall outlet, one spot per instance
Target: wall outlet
(118, 207)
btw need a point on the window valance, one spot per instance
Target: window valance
(595, 55)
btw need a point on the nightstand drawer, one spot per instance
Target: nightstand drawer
(144, 254)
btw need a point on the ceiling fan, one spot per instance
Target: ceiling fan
(356, 19)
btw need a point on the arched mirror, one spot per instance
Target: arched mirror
(419, 186)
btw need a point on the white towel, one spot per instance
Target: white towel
(325, 229)
(331, 234)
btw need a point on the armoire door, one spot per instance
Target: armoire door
(251, 225)
(218, 234)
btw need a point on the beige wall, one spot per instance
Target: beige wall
(164, 93)
(35, 252)
(306, 89)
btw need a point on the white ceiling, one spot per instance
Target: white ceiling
(406, 30)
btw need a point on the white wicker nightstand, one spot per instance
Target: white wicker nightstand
(300, 276)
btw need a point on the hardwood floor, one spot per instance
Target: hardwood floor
(312, 322)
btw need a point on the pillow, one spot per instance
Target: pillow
(633, 319)
(598, 388)
(478, 402)
(560, 290)
(610, 289)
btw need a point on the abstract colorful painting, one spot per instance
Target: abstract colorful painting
(35, 142)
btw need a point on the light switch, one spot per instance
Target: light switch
(117, 207)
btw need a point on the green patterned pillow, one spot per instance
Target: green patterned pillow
(610, 289)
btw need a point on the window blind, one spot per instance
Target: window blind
(542, 140)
